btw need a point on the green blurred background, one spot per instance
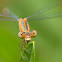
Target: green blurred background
(49, 31)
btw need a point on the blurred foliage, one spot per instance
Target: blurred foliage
(49, 31)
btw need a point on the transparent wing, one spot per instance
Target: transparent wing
(6, 15)
(46, 17)
(40, 12)
(7, 19)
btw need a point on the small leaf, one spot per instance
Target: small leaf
(29, 53)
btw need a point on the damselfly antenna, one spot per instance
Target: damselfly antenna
(38, 13)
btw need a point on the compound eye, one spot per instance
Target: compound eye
(34, 32)
(21, 33)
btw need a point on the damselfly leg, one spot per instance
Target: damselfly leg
(23, 46)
